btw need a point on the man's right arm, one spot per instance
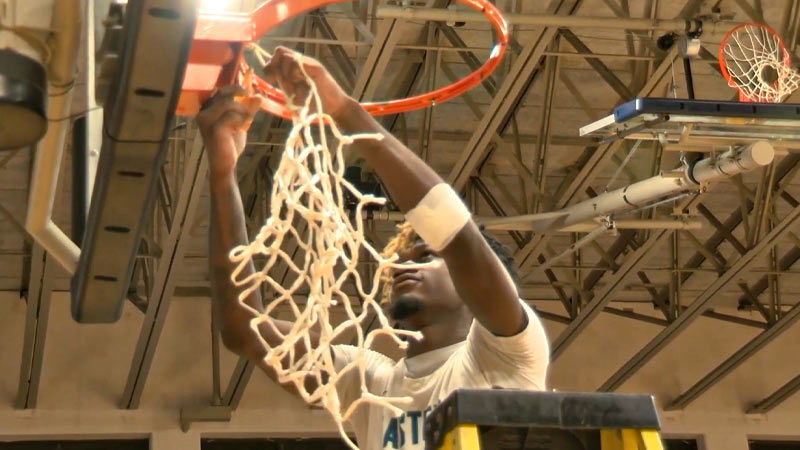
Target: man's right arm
(223, 125)
(226, 231)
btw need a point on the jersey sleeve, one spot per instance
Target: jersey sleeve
(513, 362)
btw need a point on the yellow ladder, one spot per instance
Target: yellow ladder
(465, 437)
(609, 421)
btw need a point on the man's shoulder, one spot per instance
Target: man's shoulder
(345, 354)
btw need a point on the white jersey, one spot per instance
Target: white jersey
(483, 360)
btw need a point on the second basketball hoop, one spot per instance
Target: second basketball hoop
(753, 60)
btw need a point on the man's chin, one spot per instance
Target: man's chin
(404, 307)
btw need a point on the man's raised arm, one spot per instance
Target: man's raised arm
(223, 125)
(479, 277)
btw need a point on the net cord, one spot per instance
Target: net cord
(749, 53)
(309, 186)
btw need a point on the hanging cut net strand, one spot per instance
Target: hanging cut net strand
(308, 193)
(758, 65)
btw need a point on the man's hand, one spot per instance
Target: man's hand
(223, 124)
(284, 71)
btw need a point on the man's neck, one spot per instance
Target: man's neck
(436, 336)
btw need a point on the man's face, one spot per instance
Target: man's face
(422, 295)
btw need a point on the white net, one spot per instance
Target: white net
(758, 65)
(309, 191)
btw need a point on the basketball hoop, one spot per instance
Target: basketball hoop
(215, 58)
(753, 60)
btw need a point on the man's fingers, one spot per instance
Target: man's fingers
(230, 91)
(232, 106)
(211, 106)
(282, 51)
(269, 75)
(286, 64)
(285, 68)
(212, 116)
(290, 71)
(240, 114)
(272, 71)
(309, 65)
(253, 105)
(269, 70)
(233, 119)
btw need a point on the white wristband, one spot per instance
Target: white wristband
(439, 216)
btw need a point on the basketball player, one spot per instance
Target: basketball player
(476, 331)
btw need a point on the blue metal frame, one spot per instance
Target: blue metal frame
(712, 108)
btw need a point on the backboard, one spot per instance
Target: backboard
(700, 125)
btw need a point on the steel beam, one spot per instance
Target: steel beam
(777, 397)
(495, 206)
(785, 263)
(783, 173)
(539, 181)
(40, 289)
(753, 300)
(605, 73)
(734, 319)
(785, 169)
(700, 304)
(467, 56)
(591, 310)
(509, 94)
(547, 20)
(380, 53)
(590, 168)
(628, 241)
(173, 249)
(636, 316)
(16, 224)
(741, 355)
(389, 34)
(338, 52)
(691, 9)
(710, 255)
(726, 233)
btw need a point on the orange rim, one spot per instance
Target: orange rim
(264, 18)
(721, 55)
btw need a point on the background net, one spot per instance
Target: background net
(758, 65)
(308, 193)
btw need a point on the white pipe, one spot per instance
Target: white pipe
(670, 224)
(583, 242)
(629, 197)
(513, 223)
(19, 20)
(732, 162)
(66, 24)
(543, 20)
(504, 224)
(94, 114)
(642, 193)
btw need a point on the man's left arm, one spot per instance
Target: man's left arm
(478, 275)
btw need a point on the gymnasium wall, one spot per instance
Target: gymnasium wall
(86, 366)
